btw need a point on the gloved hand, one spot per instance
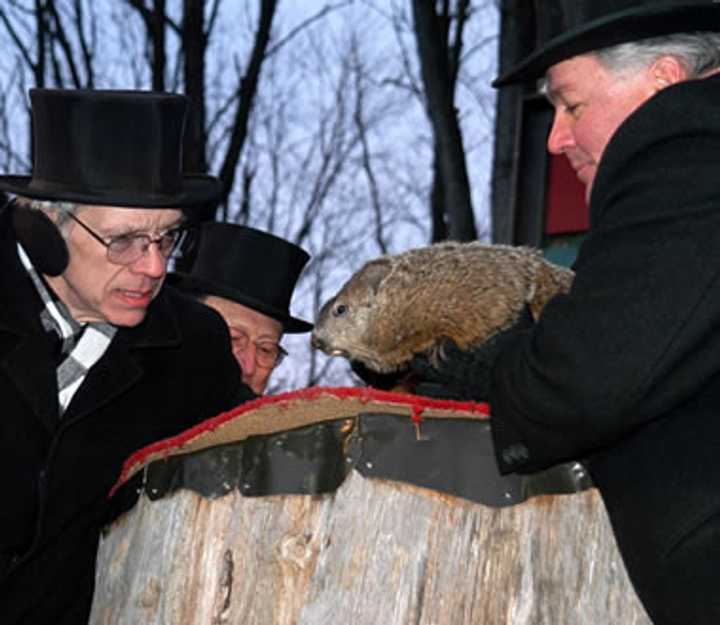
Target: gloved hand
(382, 381)
(464, 375)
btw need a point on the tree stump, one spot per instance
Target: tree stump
(374, 551)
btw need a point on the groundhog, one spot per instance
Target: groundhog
(400, 305)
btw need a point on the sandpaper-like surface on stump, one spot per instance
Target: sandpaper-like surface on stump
(287, 411)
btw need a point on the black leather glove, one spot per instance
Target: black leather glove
(464, 375)
(382, 381)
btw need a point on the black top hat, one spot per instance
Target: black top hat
(566, 28)
(253, 268)
(118, 148)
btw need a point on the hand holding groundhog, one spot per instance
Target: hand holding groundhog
(398, 306)
(461, 374)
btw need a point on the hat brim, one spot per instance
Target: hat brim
(196, 190)
(614, 29)
(191, 284)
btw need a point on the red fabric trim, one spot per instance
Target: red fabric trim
(417, 403)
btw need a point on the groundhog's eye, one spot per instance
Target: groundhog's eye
(340, 310)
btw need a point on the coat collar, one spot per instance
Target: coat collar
(160, 328)
(122, 365)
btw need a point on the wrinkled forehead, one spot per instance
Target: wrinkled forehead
(576, 73)
(141, 219)
(248, 319)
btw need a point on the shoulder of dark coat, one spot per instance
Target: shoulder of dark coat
(174, 320)
(194, 318)
(684, 107)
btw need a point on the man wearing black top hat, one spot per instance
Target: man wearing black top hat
(248, 276)
(624, 371)
(97, 358)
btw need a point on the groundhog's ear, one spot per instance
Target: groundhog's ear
(374, 273)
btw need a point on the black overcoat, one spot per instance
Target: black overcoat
(155, 380)
(625, 369)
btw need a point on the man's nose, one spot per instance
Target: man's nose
(152, 263)
(561, 136)
(246, 359)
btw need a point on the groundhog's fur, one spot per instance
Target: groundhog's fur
(398, 306)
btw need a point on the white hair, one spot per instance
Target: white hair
(47, 206)
(698, 52)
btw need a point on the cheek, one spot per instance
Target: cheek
(613, 113)
(99, 285)
(263, 377)
(83, 279)
(593, 134)
(89, 270)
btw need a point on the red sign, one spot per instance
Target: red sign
(566, 209)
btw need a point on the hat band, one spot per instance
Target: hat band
(106, 195)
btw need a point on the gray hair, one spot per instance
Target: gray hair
(699, 52)
(47, 206)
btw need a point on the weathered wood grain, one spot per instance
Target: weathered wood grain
(373, 553)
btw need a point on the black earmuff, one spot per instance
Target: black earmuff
(41, 239)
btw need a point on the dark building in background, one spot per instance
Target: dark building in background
(536, 198)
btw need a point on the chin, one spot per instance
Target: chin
(258, 389)
(126, 319)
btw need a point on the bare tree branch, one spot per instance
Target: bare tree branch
(246, 91)
(147, 15)
(449, 152)
(214, 12)
(359, 119)
(328, 8)
(85, 48)
(61, 37)
(24, 51)
(155, 20)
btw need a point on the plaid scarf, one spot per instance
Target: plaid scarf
(82, 344)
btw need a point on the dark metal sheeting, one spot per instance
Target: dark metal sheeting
(453, 456)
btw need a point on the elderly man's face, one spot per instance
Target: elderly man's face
(93, 288)
(251, 332)
(590, 104)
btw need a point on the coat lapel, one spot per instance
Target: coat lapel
(121, 367)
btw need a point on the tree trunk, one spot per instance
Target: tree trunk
(194, 43)
(438, 76)
(246, 91)
(374, 552)
(156, 34)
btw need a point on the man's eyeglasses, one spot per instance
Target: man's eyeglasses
(127, 248)
(268, 355)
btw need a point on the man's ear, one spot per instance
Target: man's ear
(41, 239)
(668, 70)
